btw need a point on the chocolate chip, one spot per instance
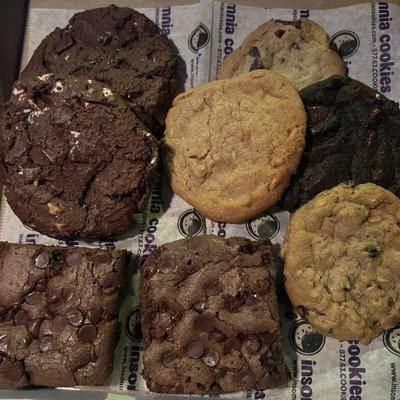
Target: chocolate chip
(41, 285)
(54, 308)
(370, 139)
(204, 323)
(21, 317)
(279, 33)
(51, 297)
(296, 24)
(42, 260)
(59, 322)
(168, 266)
(14, 308)
(213, 289)
(232, 344)
(4, 343)
(268, 337)
(46, 344)
(64, 44)
(295, 46)
(246, 379)
(94, 315)
(219, 337)
(253, 52)
(211, 358)
(195, 349)
(92, 354)
(74, 259)
(11, 371)
(200, 306)
(372, 250)
(102, 258)
(67, 294)
(257, 64)
(377, 175)
(75, 318)
(87, 333)
(34, 327)
(109, 290)
(34, 299)
(170, 360)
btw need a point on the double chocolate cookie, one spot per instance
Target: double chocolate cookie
(342, 261)
(76, 161)
(353, 133)
(58, 314)
(299, 50)
(209, 317)
(119, 47)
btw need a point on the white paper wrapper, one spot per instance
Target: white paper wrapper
(204, 32)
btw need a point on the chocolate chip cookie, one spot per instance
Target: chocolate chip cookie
(119, 47)
(75, 160)
(352, 134)
(298, 50)
(232, 145)
(58, 313)
(342, 261)
(209, 317)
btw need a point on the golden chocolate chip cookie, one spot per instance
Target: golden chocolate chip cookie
(342, 261)
(232, 145)
(298, 50)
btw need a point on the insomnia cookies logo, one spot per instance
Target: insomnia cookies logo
(132, 325)
(391, 340)
(264, 227)
(190, 223)
(347, 43)
(304, 339)
(199, 38)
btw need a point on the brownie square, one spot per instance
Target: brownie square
(209, 317)
(59, 315)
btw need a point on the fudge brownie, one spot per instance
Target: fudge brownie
(59, 314)
(353, 133)
(121, 48)
(75, 160)
(209, 317)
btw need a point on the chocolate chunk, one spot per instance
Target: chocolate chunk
(59, 322)
(64, 44)
(33, 327)
(46, 344)
(93, 355)
(51, 297)
(21, 317)
(170, 360)
(253, 52)
(74, 259)
(67, 295)
(219, 337)
(372, 250)
(232, 344)
(75, 318)
(279, 33)
(34, 299)
(295, 46)
(42, 261)
(204, 323)
(296, 24)
(256, 64)
(41, 285)
(94, 314)
(54, 308)
(370, 139)
(246, 379)
(195, 349)
(211, 358)
(87, 333)
(168, 266)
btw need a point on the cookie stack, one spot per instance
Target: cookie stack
(76, 144)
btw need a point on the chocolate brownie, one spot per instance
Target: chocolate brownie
(353, 133)
(209, 317)
(76, 162)
(59, 314)
(121, 48)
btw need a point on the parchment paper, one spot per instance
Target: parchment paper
(204, 32)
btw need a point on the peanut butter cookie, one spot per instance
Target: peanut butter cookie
(233, 144)
(342, 261)
(298, 50)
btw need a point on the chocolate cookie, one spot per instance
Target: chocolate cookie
(342, 261)
(119, 47)
(353, 133)
(233, 144)
(75, 160)
(209, 317)
(58, 314)
(298, 50)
